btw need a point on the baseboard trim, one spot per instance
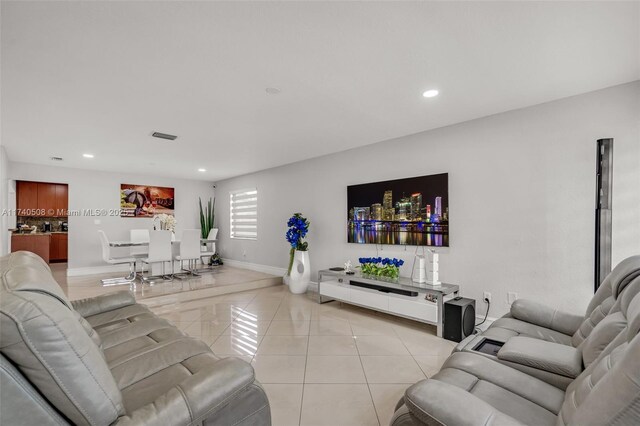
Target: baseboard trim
(96, 270)
(255, 267)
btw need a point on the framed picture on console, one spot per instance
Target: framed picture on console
(410, 211)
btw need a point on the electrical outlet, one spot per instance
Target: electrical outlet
(486, 295)
(244, 253)
(511, 297)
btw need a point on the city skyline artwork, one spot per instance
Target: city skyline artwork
(410, 211)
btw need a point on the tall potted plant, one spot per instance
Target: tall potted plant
(299, 272)
(207, 217)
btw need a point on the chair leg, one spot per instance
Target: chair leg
(183, 274)
(151, 279)
(193, 263)
(120, 281)
(164, 275)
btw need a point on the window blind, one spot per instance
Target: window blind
(244, 214)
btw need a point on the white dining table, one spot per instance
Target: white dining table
(146, 243)
(154, 268)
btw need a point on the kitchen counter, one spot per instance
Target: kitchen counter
(38, 233)
(38, 243)
(51, 246)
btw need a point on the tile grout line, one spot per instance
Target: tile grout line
(410, 353)
(304, 377)
(375, 409)
(256, 351)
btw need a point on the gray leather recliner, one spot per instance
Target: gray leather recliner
(108, 360)
(556, 363)
(476, 389)
(535, 320)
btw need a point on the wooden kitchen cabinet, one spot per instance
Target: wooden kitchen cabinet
(62, 200)
(42, 199)
(26, 198)
(39, 244)
(47, 199)
(59, 247)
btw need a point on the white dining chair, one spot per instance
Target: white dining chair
(108, 258)
(189, 251)
(139, 236)
(210, 247)
(159, 252)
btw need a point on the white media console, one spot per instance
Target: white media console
(403, 298)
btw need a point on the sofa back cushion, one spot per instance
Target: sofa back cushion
(20, 401)
(43, 337)
(49, 346)
(605, 298)
(26, 273)
(608, 390)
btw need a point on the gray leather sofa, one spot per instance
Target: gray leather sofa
(535, 320)
(535, 379)
(555, 346)
(108, 360)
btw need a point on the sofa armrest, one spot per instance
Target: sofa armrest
(197, 397)
(433, 402)
(103, 303)
(545, 316)
(542, 355)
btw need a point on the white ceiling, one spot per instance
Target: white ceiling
(99, 77)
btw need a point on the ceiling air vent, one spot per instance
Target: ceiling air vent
(164, 136)
(56, 158)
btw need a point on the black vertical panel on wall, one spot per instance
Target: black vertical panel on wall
(604, 187)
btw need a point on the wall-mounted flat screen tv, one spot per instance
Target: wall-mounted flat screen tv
(412, 211)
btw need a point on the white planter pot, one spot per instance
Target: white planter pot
(300, 273)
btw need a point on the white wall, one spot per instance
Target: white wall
(90, 189)
(4, 202)
(521, 198)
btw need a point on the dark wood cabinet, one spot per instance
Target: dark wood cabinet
(46, 199)
(39, 244)
(62, 200)
(26, 198)
(42, 199)
(59, 247)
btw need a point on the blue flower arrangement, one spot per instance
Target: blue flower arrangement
(381, 267)
(298, 228)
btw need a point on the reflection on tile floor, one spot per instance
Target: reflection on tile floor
(224, 279)
(310, 356)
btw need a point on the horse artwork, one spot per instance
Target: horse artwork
(145, 200)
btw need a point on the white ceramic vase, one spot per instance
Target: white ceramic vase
(300, 273)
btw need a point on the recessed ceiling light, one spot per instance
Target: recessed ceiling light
(272, 90)
(202, 170)
(87, 155)
(431, 93)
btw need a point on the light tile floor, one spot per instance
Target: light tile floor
(330, 364)
(310, 357)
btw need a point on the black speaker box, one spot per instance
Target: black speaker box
(459, 318)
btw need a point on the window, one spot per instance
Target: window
(243, 206)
